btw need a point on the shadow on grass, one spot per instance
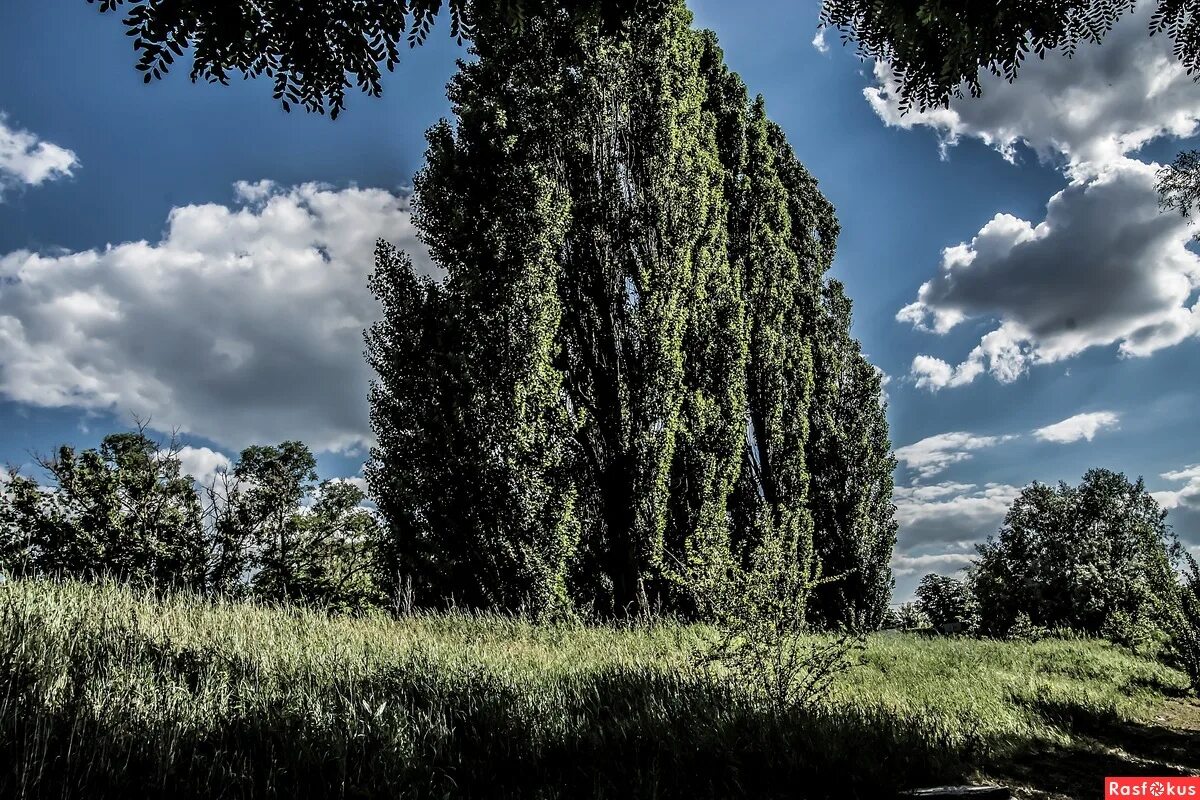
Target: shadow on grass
(613, 733)
(131, 717)
(1103, 745)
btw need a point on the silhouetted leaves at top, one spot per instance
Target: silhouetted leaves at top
(938, 48)
(313, 52)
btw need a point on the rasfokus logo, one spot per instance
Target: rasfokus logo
(1152, 787)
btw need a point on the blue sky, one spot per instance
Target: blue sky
(220, 246)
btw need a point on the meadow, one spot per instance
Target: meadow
(110, 692)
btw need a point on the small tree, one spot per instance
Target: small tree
(946, 600)
(1179, 611)
(125, 510)
(762, 640)
(336, 551)
(276, 480)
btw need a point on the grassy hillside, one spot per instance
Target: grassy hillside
(105, 693)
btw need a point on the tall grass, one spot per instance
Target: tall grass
(108, 693)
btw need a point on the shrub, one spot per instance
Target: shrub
(1136, 631)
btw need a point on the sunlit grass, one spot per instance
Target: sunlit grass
(106, 692)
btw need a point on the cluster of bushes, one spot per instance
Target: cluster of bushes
(264, 528)
(1097, 559)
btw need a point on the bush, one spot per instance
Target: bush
(1023, 630)
(1135, 631)
(1179, 609)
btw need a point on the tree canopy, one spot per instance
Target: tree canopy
(1073, 556)
(937, 48)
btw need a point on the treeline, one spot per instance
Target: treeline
(1096, 559)
(263, 528)
(635, 381)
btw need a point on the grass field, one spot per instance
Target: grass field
(106, 693)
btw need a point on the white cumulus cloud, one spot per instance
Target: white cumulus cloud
(27, 160)
(1080, 426)
(243, 324)
(950, 513)
(1104, 266)
(1183, 504)
(933, 454)
(202, 463)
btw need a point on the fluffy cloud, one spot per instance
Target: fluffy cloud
(950, 513)
(243, 324)
(1103, 103)
(1105, 266)
(934, 454)
(819, 42)
(202, 463)
(26, 160)
(1183, 504)
(1080, 426)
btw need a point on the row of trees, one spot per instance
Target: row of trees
(634, 379)
(264, 528)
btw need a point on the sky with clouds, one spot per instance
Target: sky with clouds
(195, 256)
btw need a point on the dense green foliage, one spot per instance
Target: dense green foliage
(634, 373)
(947, 600)
(938, 48)
(122, 511)
(1072, 556)
(127, 512)
(1178, 183)
(312, 50)
(110, 695)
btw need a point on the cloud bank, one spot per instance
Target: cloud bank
(243, 324)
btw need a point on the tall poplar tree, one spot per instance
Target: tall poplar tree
(607, 399)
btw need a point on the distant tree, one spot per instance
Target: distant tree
(124, 511)
(337, 551)
(906, 616)
(230, 534)
(276, 480)
(127, 512)
(945, 600)
(1071, 556)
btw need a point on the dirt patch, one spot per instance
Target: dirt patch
(1179, 715)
